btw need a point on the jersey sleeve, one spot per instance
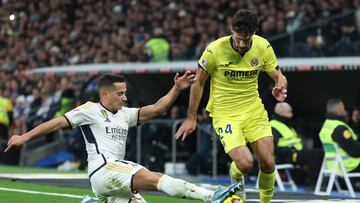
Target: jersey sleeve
(81, 115)
(343, 137)
(133, 116)
(207, 60)
(270, 60)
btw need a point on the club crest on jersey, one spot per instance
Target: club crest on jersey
(254, 62)
(105, 115)
(203, 62)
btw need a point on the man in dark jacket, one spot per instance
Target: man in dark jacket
(335, 131)
(289, 147)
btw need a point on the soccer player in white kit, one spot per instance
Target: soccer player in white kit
(104, 126)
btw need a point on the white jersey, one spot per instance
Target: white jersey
(104, 132)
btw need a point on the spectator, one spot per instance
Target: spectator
(158, 48)
(289, 146)
(313, 47)
(6, 118)
(336, 132)
(355, 120)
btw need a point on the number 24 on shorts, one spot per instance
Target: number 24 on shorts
(228, 129)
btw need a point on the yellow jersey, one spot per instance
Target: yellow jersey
(234, 77)
(5, 107)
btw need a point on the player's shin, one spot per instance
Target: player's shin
(180, 188)
(236, 176)
(266, 186)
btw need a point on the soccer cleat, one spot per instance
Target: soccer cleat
(221, 194)
(88, 199)
(241, 191)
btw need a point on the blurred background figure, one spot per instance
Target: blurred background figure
(355, 120)
(289, 147)
(337, 132)
(6, 119)
(157, 47)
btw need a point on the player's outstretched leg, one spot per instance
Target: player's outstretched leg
(180, 188)
(221, 194)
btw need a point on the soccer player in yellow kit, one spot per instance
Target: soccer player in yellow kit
(234, 63)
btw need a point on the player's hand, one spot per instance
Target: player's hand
(186, 128)
(15, 140)
(185, 80)
(280, 93)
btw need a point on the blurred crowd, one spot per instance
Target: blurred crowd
(62, 32)
(33, 100)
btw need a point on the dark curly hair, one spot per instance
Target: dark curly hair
(245, 21)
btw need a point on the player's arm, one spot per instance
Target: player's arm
(280, 89)
(196, 92)
(271, 67)
(164, 103)
(42, 129)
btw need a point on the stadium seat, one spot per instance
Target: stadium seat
(279, 181)
(337, 170)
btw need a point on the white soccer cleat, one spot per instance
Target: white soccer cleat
(241, 191)
(88, 199)
(221, 194)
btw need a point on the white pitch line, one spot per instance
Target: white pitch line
(45, 176)
(309, 201)
(41, 193)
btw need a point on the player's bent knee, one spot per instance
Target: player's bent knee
(245, 167)
(146, 180)
(267, 165)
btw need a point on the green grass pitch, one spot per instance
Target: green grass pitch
(21, 197)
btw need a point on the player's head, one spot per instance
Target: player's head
(335, 107)
(243, 26)
(112, 89)
(283, 109)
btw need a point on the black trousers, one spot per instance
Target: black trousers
(11, 157)
(309, 159)
(4, 133)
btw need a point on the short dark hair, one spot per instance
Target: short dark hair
(106, 81)
(245, 21)
(332, 105)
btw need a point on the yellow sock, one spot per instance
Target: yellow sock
(266, 186)
(235, 172)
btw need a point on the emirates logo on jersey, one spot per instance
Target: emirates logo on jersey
(254, 62)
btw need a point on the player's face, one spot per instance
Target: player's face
(342, 111)
(117, 96)
(241, 41)
(288, 113)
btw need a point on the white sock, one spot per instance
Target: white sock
(180, 188)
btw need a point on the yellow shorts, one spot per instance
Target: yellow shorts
(237, 131)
